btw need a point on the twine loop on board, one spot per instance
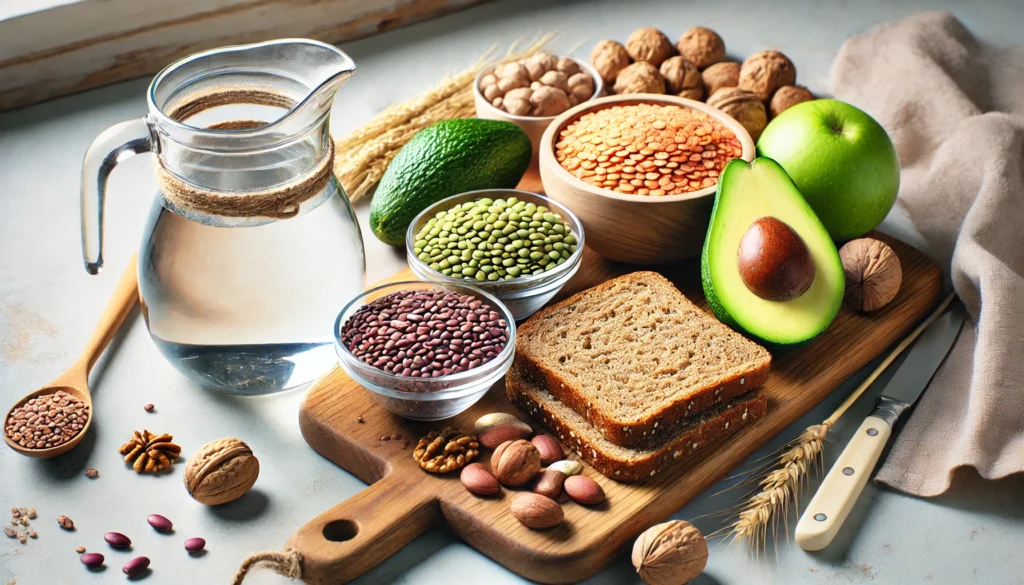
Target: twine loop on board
(280, 202)
(287, 563)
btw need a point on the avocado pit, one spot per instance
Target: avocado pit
(774, 261)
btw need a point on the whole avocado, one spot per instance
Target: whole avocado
(448, 158)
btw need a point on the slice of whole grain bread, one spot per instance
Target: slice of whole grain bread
(631, 464)
(634, 356)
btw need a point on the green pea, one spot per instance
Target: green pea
(514, 271)
(554, 255)
(468, 271)
(536, 255)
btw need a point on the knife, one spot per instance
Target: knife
(839, 490)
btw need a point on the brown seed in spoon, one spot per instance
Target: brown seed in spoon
(47, 421)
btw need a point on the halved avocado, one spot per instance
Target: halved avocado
(760, 193)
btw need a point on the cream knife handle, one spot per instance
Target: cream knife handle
(839, 491)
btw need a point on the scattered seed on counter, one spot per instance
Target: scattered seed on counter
(32, 513)
(494, 239)
(92, 560)
(47, 421)
(117, 540)
(136, 566)
(425, 333)
(80, 550)
(65, 523)
(33, 534)
(160, 523)
(92, 473)
(647, 149)
(11, 531)
(194, 545)
(149, 407)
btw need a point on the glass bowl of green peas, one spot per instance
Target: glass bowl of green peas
(519, 246)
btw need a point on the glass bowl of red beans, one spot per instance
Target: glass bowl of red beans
(425, 351)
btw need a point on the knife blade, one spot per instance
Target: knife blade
(844, 482)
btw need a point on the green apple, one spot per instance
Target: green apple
(840, 159)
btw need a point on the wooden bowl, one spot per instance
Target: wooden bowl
(534, 126)
(638, 229)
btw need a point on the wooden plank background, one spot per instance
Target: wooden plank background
(89, 43)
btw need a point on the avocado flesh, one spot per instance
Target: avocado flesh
(745, 193)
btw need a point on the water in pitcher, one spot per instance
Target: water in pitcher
(250, 309)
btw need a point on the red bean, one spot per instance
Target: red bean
(159, 522)
(92, 559)
(136, 566)
(194, 545)
(117, 540)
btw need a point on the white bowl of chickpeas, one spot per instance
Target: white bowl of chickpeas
(532, 92)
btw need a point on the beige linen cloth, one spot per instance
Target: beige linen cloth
(955, 110)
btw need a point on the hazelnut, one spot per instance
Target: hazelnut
(640, 77)
(650, 45)
(549, 101)
(743, 106)
(719, 75)
(788, 96)
(581, 86)
(221, 471)
(555, 79)
(609, 58)
(568, 66)
(701, 46)
(536, 511)
(670, 554)
(682, 75)
(518, 107)
(515, 462)
(873, 274)
(765, 72)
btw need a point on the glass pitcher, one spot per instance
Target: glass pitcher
(251, 247)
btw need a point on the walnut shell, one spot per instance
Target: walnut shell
(701, 46)
(873, 274)
(744, 107)
(549, 101)
(682, 76)
(670, 554)
(788, 96)
(719, 75)
(640, 77)
(650, 45)
(765, 72)
(221, 471)
(609, 58)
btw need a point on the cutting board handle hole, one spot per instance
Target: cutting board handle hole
(340, 530)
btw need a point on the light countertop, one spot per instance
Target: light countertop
(49, 305)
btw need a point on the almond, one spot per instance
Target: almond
(536, 511)
(494, 419)
(496, 435)
(584, 490)
(550, 450)
(515, 462)
(549, 483)
(478, 480)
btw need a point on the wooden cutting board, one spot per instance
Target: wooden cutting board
(341, 421)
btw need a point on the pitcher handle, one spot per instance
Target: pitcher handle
(109, 148)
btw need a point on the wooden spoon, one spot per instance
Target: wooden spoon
(75, 381)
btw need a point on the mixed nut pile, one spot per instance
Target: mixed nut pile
(540, 85)
(495, 239)
(695, 68)
(519, 458)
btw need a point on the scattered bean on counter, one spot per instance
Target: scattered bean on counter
(647, 149)
(194, 545)
(495, 239)
(47, 421)
(160, 523)
(92, 559)
(117, 540)
(425, 333)
(136, 566)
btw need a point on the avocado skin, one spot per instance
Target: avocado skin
(445, 159)
(714, 301)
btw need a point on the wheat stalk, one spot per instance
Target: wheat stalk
(788, 473)
(362, 157)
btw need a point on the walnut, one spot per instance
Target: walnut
(788, 96)
(873, 274)
(515, 462)
(449, 450)
(542, 60)
(719, 75)
(765, 72)
(221, 471)
(670, 554)
(701, 46)
(568, 66)
(744, 107)
(549, 101)
(640, 77)
(609, 58)
(581, 85)
(149, 452)
(682, 76)
(650, 45)
(555, 79)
